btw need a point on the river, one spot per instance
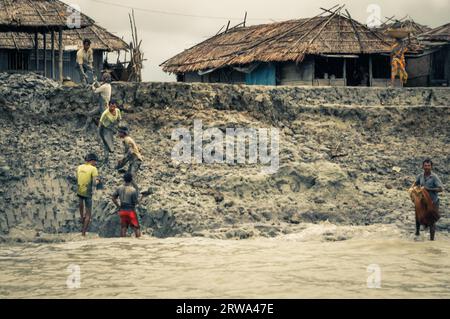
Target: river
(367, 262)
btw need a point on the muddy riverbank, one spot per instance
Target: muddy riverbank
(347, 156)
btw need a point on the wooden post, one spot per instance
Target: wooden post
(370, 71)
(36, 52)
(61, 53)
(344, 72)
(53, 54)
(44, 37)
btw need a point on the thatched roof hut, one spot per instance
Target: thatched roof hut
(37, 15)
(438, 34)
(409, 24)
(72, 39)
(290, 40)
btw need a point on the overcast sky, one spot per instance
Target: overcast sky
(168, 27)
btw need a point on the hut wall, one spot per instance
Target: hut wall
(192, 77)
(418, 70)
(69, 61)
(447, 66)
(3, 60)
(293, 74)
(225, 75)
(264, 74)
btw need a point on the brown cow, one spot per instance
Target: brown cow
(427, 213)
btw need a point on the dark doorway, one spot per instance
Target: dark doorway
(438, 65)
(358, 71)
(328, 68)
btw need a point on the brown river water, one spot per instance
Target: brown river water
(373, 262)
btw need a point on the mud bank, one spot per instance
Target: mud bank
(347, 155)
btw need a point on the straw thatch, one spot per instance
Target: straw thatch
(30, 15)
(409, 24)
(441, 33)
(284, 41)
(72, 39)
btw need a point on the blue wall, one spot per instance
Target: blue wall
(264, 74)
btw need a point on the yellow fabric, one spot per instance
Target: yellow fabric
(85, 57)
(398, 63)
(85, 177)
(131, 148)
(107, 119)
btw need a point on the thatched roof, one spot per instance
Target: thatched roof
(283, 41)
(441, 33)
(72, 39)
(409, 24)
(29, 15)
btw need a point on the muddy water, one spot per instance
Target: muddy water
(299, 265)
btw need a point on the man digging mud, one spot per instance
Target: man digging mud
(87, 179)
(132, 156)
(129, 199)
(433, 185)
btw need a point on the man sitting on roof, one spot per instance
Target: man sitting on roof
(85, 62)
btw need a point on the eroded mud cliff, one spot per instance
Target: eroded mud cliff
(347, 155)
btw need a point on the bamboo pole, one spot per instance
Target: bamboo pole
(61, 54)
(52, 35)
(44, 52)
(36, 51)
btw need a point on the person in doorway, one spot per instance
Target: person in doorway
(129, 199)
(87, 179)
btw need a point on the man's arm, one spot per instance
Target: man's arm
(438, 186)
(114, 198)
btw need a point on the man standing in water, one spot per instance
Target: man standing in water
(128, 197)
(132, 156)
(85, 62)
(87, 178)
(432, 184)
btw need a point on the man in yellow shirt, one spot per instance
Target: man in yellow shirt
(132, 156)
(107, 127)
(85, 62)
(87, 178)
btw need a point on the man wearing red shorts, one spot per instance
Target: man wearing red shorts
(128, 197)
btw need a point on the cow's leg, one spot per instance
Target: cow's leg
(432, 231)
(417, 227)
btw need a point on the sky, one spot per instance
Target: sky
(168, 27)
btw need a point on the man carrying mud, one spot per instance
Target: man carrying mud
(132, 156)
(104, 97)
(109, 122)
(430, 182)
(85, 62)
(87, 178)
(129, 199)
